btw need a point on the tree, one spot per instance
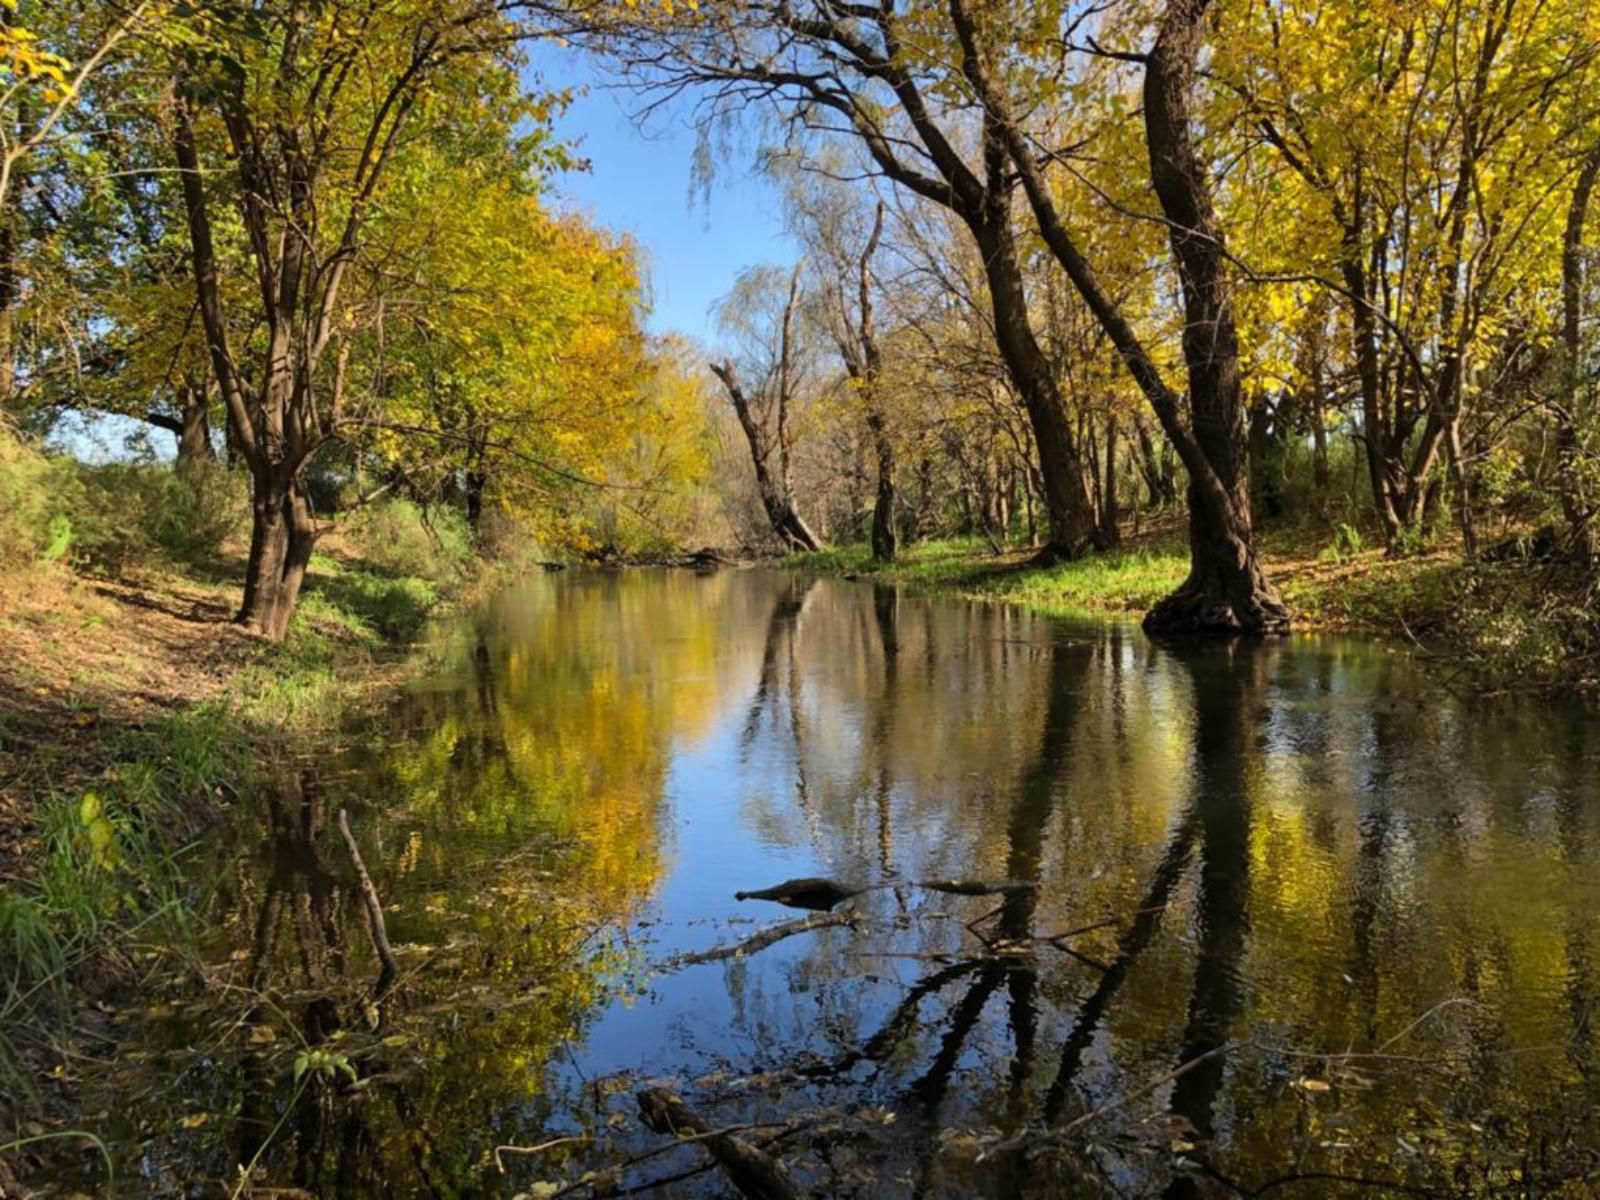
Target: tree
(317, 107)
(871, 74)
(1227, 591)
(765, 314)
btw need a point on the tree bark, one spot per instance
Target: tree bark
(1226, 591)
(789, 526)
(1110, 535)
(1069, 515)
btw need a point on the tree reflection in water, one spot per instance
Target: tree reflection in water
(1302, 850)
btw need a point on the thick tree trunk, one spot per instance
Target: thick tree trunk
(282, 536)
(191, 428)
(1227, 591)
(1069, 515)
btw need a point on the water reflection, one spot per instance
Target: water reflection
(1351, 924)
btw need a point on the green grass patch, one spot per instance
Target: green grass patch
(109, 868)
(1118, 583)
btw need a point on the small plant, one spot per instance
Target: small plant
(1347, 543)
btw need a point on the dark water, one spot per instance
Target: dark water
(1352, 941)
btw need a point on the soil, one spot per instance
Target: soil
(84, 657)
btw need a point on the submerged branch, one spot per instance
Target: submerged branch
(754, 1172)
(369, 896)
(762, 940)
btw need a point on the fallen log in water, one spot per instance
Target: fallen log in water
(762, 940)
(754, 1172)
(824, 894)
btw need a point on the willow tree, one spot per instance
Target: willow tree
(315, 108)
(883, 79)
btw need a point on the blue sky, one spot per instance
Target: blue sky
(640, 183)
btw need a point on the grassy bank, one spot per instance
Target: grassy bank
(132, 714)
(1506, 624)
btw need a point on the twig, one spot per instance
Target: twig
(1110, 1106)
(581, 1138)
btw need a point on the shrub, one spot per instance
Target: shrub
(403, 539)
(129, 515)
(34, 524)
(112, 516)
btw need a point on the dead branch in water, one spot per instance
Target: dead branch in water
(754, 1172)
(762, 940)
(580, 1139)
(369, 895)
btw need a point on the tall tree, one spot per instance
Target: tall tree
(870, 73)
(768, 315)
(316, 111)
(1227, 591)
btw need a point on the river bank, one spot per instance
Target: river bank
(1509, 624)
(133, 716)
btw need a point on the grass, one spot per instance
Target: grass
(1351, 589)
(114, 795)
(1118, 583)
(1507, 624)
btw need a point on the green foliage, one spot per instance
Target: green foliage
(131, 515)
(32, 522)
(112, 517)
(110, 864)
(1346, 544)
(402, 538)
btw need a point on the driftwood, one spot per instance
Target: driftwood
(765, 938)
(754, 1172)
(818, 894)
(369, 896)
(822, 895)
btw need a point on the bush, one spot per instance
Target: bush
(112, 516)
(131, 515)
(403, 539)
(33, 522)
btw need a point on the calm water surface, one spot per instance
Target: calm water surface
(1352, 938)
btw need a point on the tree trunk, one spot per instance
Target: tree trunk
(282, 536)
(1576, 504)
(1227, 591)
(1069, 515)
(885, 540)
(789, 526)
(1110, 535)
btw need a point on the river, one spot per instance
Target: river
(1345, 927)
